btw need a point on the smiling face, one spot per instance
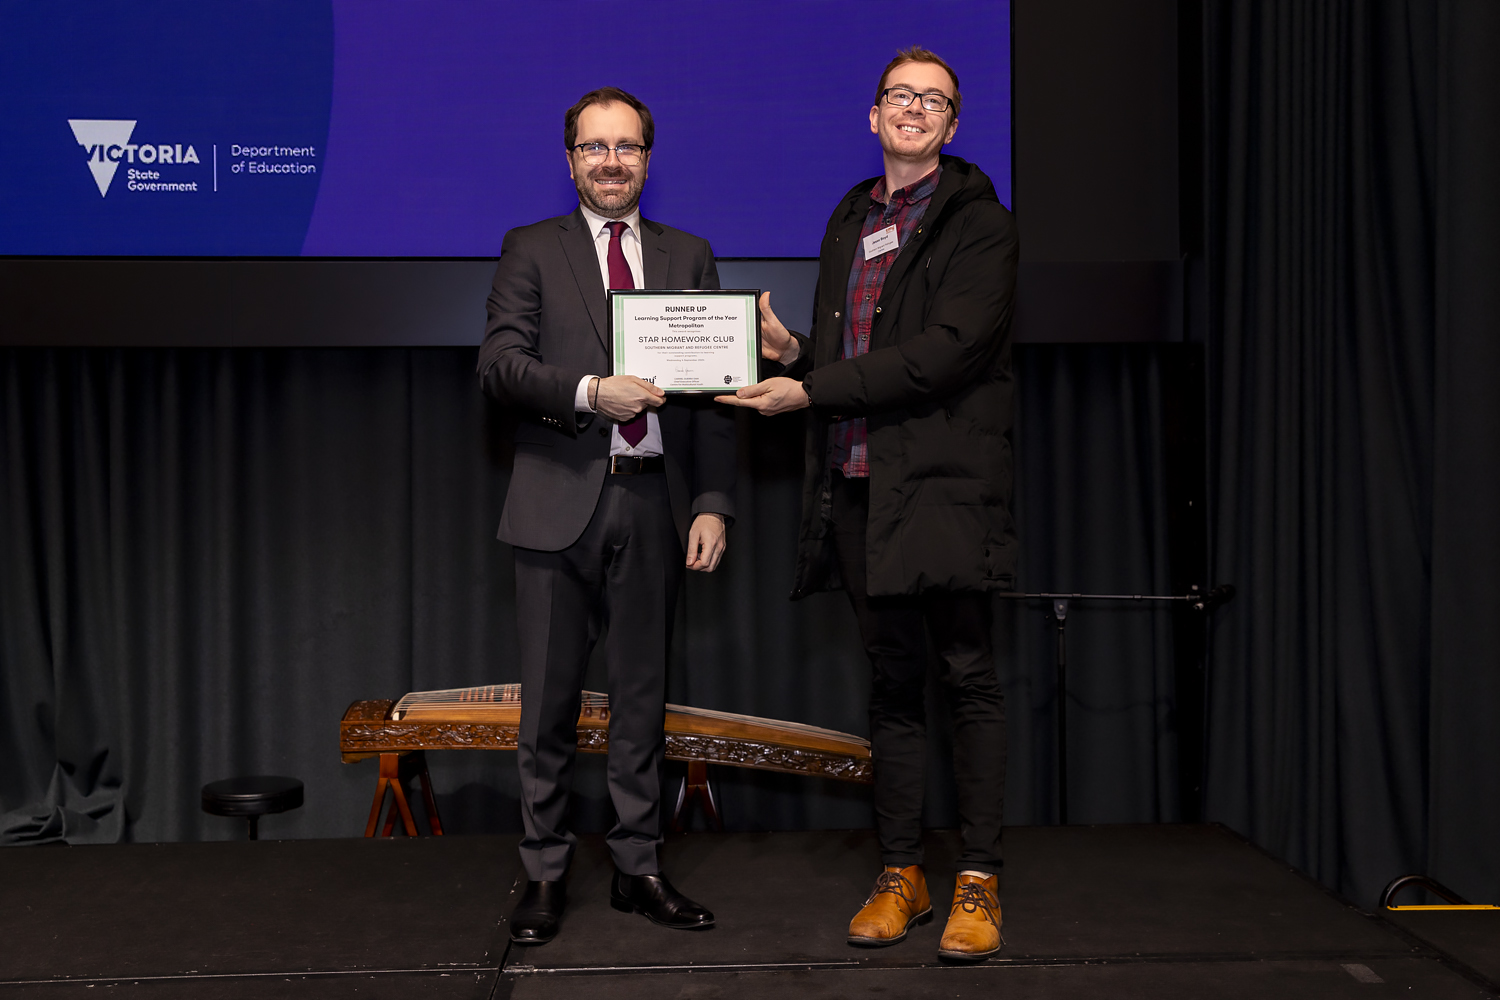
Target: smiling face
(914, 134)
(609, 188)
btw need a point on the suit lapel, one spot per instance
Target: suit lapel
(578, 245)
(654, 255)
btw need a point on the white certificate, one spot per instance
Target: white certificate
(687, 341)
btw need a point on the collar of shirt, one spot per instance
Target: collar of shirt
(630, 242)
(913, 192)
(597, 222)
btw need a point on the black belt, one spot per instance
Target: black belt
(627, 465)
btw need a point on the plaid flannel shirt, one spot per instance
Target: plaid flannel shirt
(904, 209)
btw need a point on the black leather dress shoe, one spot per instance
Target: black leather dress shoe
(654, 896)
(535, 918)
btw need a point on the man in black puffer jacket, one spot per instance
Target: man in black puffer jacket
(907, 486)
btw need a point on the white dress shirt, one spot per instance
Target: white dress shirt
(630, 243)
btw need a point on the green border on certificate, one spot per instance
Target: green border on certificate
(687, 340)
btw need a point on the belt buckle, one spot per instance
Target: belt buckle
(635, 465)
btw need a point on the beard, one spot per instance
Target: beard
(929, 145)
(614, 204)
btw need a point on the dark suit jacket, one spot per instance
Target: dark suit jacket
(547, 329)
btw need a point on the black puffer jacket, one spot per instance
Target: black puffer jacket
(935, 390)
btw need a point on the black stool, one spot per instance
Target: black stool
(251, 798)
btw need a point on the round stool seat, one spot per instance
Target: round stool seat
(252, 797)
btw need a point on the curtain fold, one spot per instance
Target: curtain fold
(1464, 755)
(217, 562)
(211, 553)
(1328, 419)
(1091, 511)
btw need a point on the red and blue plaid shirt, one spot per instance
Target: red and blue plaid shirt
(904, 209)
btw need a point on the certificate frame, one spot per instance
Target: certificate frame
(742, 364)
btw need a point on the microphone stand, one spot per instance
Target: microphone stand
(1195, 600)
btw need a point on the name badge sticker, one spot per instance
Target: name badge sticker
(881, 242)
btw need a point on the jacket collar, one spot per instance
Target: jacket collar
(960, 183)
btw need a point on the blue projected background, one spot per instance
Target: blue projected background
(372, 128)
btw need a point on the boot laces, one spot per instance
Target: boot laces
(973, 897)
(895, 883)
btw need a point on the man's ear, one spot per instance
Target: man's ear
(569, 154)
(951, 129)
(875, 119)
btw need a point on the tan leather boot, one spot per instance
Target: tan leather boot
(973, 930)
(899, 900)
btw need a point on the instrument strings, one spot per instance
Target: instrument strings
(592, 701)
(781, 724)
(486, 694)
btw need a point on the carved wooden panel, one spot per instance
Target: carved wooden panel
(768, 757)
(365, 732)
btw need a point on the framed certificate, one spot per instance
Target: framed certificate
(687, 341)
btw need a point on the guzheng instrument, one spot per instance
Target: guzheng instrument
(489, 718)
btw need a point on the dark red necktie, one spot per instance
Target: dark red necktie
(633, 431)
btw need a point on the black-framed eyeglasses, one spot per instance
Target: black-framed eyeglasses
(628, 153)
(899, 97)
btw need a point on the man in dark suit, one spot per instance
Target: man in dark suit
(613, 484)
(906, 489)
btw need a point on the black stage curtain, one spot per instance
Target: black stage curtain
(210, 553)
(1354, 429)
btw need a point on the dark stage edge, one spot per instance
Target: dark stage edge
(1470, 936)
(1159, 911)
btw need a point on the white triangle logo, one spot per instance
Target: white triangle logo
(97, 135)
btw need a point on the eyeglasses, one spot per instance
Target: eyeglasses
(595, 153)
(899, 98)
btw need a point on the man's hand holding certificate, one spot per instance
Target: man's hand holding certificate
(689, 341)
(774, 395)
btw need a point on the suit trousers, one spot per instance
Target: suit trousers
(895, 633)
(621, 576)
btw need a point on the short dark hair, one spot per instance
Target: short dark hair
(918, 54)
(607, 95)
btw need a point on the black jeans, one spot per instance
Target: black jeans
(895, 633)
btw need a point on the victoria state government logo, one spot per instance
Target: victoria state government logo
(107, 143)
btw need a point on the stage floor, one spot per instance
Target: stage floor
(1127, 911)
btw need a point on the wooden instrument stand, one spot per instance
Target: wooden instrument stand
(396, 770)
(696, 788)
